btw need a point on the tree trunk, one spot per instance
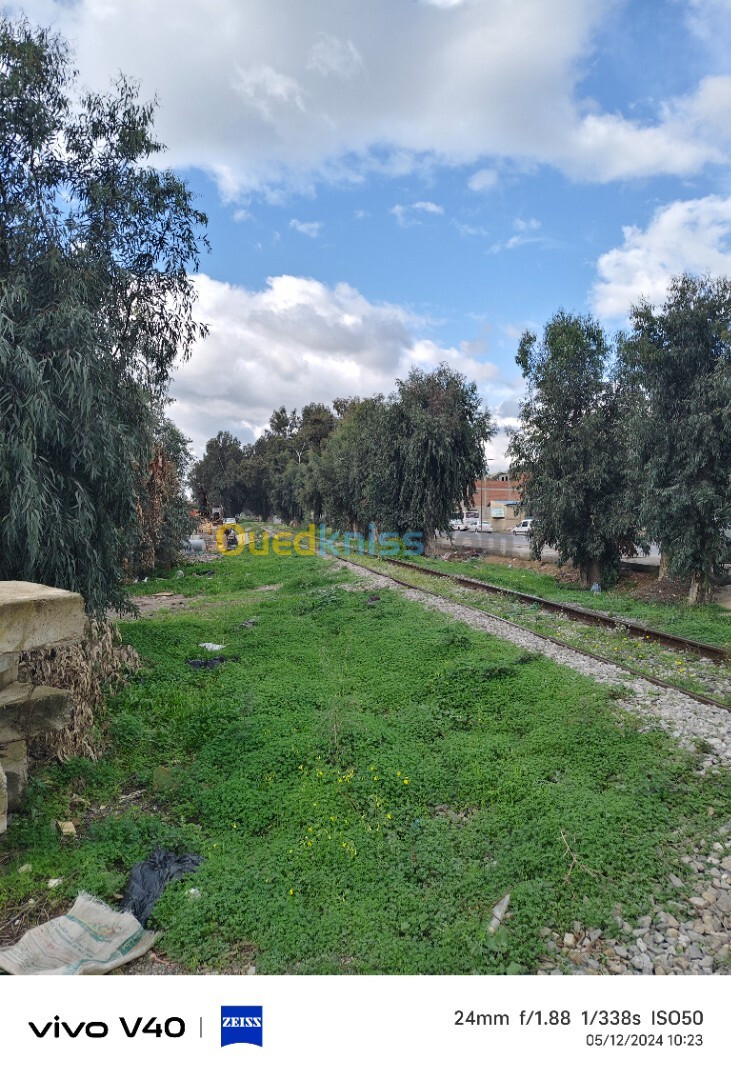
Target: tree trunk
(663, 573)
(700, 590)
(430, 546)
(591, 573)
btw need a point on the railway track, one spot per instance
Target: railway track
(581, 614)
(572, 611)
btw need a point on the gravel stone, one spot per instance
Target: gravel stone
(696, 941)
(687, 719)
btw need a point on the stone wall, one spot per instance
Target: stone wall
(31, 617)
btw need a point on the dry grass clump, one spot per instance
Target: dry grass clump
(88, 669)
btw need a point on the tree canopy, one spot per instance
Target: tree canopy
(274, 474)
(677, 360)
(95, 307)
(569, 451)
(439, 428)
(402, 462)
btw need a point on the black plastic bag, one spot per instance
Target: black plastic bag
(147, 880)
(211, 662)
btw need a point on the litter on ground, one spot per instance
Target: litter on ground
(91, 939)
(148, 879)
(214, 661)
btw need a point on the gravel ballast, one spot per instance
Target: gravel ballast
(686, 719)
(694, 938)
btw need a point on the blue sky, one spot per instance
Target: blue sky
(398, 182)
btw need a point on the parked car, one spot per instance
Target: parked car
(456, 524)
(525, 528)
(475, 525)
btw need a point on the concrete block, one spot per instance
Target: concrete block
(14, 763)
(3, 801)
(27, 710)
(33, 616)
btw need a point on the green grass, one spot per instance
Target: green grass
(313, 773)
(709, 623)
(640, 655)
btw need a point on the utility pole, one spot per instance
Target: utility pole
(482, 493)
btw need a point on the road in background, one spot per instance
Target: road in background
(518, 547)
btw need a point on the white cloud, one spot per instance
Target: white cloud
(604, 148)
(514, 331)
(331, 56)
(445, 3)
(295, 341)
(428, 207)
(526, 224)
(707, 110)
(526, 233)
(410, 215)
(692, 235)
(498, 448)
(483, 180)
(272, 97)
(268, 91)
(710, 20)
(307, 228)
(464, 229)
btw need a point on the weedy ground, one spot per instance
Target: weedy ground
(708, 623)
(365, 780)
(683, 669)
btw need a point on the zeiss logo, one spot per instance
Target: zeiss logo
(242, 1023)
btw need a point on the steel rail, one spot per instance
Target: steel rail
(536, 633)
(574, 611)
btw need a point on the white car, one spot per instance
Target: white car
(525, 528)
(457, 525)
(475, 525)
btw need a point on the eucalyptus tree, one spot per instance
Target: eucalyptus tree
(297, 441)
(350, 471)
(569, 453)
(216, 478)
(163, 510)
(678, 361)
(438, 428)
(404, 462)
(318, 424)
(96, 304)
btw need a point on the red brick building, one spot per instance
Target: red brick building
(497, 497)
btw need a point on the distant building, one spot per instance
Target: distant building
(497, 497)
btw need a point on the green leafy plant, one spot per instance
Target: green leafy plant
(361, 794)
(95, 307)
